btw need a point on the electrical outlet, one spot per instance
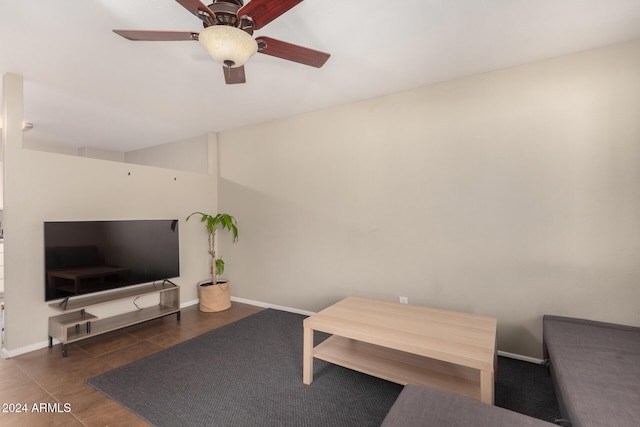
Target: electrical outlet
(404, 300)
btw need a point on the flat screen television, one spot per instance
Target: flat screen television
(83, 257)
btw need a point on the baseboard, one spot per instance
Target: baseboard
(4, 353)
(188, 303)
(273, 306)
(310, 313)
(520, 357)
(22, 350)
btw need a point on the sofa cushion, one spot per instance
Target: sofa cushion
(596, 369)
(419, 406)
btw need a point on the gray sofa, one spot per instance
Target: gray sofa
(419, 406)
(595, 368)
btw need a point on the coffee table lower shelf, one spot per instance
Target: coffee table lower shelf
(399, 367)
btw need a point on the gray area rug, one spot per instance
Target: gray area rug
(248, 373)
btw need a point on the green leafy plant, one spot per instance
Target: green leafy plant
(213, 223)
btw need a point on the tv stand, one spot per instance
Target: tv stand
(76, 323)
(64, 303)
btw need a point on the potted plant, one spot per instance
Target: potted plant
(215, 295)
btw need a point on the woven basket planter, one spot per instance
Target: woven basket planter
(214, 298)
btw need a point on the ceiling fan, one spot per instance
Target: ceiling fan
(228, 34)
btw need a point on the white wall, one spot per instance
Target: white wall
(59, 149)
(512, 194)
(42, 186)
(181, 155)
(114, 156)
(189, 155)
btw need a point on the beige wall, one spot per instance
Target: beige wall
(187, 155)
(42, 186)
(181, 155)
(513, 194)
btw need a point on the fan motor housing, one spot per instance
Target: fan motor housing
(227, 14)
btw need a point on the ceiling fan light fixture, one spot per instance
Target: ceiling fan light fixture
(229, 46)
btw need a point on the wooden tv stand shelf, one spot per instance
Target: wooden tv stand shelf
(76, 323)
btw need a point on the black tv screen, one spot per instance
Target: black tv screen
(83, 257)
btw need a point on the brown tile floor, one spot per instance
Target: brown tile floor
(45, 377)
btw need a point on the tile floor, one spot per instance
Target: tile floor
(56, 384)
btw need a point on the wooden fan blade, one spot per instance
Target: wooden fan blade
(234, 75)
(292, 52)
(197, 8)
(264, 11)
(144, 35)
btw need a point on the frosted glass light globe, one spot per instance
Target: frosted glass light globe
(229, 46)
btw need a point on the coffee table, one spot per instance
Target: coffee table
(405, 343)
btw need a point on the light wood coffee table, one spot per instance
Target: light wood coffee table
(405, 344)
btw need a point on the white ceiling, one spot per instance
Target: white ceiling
(87, 87)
